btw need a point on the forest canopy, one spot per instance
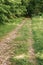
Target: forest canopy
(10, 9)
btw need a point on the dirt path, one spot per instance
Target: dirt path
(31, 52)
(5, 49)
(30, 41)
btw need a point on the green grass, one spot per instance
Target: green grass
(8, 27)
(21, 48)
(37, 26)
(24, 61)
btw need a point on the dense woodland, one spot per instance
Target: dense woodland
(10, 9)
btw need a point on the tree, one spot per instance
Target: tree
(35, 7)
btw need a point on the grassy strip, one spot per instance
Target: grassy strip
(20, 61)
(21, 41)
(37, 25)
(8, 27)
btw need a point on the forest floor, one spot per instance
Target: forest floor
(6, 48)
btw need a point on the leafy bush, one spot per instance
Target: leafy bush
(10, 9)
(20, 11)
(5, 13)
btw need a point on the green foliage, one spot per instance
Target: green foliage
(18, 10)
(35, 7)
(24, 2)
(10, 9)
(4, 13)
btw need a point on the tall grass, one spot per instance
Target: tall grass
(37, 26)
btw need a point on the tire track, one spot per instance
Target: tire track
(31, 53)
